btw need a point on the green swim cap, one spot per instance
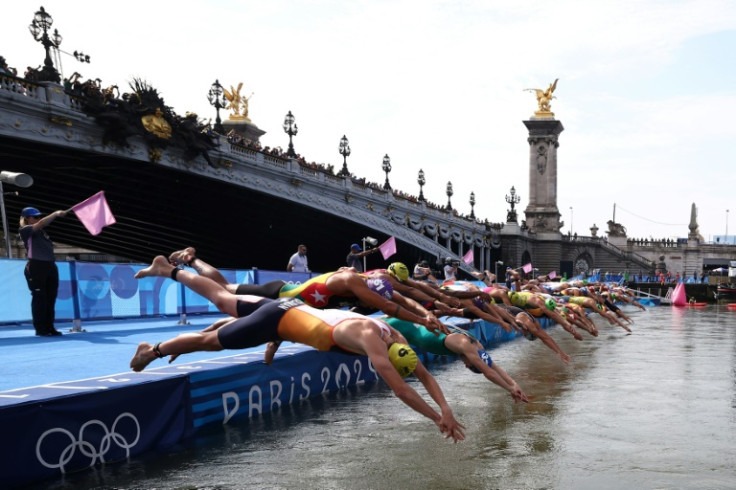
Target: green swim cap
(550, 304)
(399, 271)
(403, 358)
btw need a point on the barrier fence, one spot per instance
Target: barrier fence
(101, 291)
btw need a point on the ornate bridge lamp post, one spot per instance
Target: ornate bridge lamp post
(386, 166)
(449, 195)
(513, 199)
(217, 100)
(421, 181)
(39, 28)
(345, 152)
(472, 205)
(81, 57)
(290, 129)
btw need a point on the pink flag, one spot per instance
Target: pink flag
(388, 248)
(468, 258)
(527, 268)
(94, 213)
(552, 274)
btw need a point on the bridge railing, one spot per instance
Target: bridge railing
(21, 86)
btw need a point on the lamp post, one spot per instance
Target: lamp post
(21, 180)
(216, 98)
(345, 152)
(449, 195)
(386, 166)
(512, 199)
(571, 230)
(290, 129)
(472, 205)
(727, 226)
(39, 27)
(498, 262)
(373, 242)
(421, 181)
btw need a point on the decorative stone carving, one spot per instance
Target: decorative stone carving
(541, 159)
(616, 229)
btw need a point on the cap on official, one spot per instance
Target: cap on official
(29, 212)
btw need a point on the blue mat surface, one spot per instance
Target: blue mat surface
(103, 349)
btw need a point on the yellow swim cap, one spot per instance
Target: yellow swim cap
(403, 358)
(399, 271)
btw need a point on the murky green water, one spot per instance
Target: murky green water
(655, 409)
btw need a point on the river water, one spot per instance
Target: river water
(650, 410)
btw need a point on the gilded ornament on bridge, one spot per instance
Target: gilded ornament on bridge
(154, 155)
(544, 99)
(156, 124)
(65, 121)
(237, 103)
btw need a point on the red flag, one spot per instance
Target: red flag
(468, 258)
(527, 268)
(94, 213)
(388, 248)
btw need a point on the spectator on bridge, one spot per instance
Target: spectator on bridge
(356, 253)
(6, 70)
(41, 272)
(298, 261)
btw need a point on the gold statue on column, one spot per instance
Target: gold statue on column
(237, 103)
(544, 98)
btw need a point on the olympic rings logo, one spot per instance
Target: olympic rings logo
(86, 448)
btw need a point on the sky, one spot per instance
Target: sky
(646, 91)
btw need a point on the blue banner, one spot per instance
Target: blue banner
(251, 389)
(61, 435)
(92, 291)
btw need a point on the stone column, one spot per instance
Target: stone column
(542, 215)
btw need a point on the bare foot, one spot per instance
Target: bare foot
(271, 349)
(183, 257)
(143, 357)
(159, 267)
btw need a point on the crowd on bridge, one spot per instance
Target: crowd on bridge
(651, 242)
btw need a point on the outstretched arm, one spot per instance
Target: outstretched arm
(46, 220)
(428, 319)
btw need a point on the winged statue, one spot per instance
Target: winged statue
(544, 98)
(237, 103)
